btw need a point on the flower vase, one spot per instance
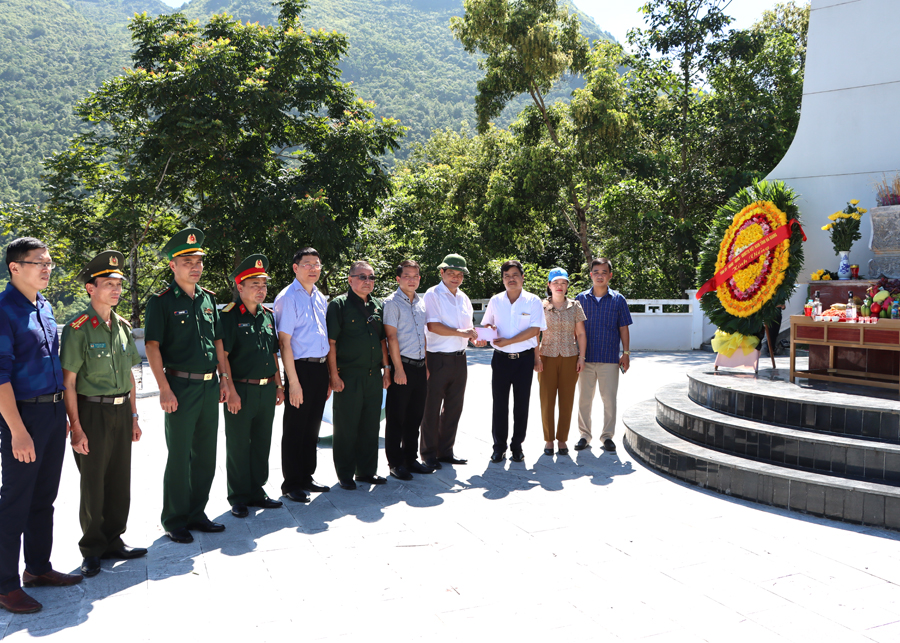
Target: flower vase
(843, 270)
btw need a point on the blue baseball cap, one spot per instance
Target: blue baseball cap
(557, 273)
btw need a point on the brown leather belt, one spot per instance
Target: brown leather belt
(44, 399)
(262, 382)
(120, 399)
(191, 376)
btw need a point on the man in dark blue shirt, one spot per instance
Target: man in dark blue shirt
(606, 326)
(32, 426)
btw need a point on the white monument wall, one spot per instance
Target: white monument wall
(849, 131)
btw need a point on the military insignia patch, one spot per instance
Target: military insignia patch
(243, 309)
(208, 310)
(192, 238)
(95, 322)
(259, 263)
(76, 324)
(113, 261)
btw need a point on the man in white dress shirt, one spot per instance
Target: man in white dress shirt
(449, 328)
(518, 318)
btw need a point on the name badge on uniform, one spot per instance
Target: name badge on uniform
(244, 325)
(181, 312)
(100, 345)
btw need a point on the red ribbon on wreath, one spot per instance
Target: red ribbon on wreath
(753, 252)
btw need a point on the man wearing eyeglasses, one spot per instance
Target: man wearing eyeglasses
(358, 355)
(183, 335)
(250, 344)
(303, 335)
(32, 426)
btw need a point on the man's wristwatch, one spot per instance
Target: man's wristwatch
(135, 416)
(223, 376)
(386, 367)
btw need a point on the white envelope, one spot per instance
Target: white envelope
(486, 334)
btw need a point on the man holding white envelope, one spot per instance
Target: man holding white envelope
(518, 318)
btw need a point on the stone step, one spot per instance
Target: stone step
(828, 496)
(771, 399)
(795, 448)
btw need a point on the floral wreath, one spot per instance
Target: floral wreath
(747, 301)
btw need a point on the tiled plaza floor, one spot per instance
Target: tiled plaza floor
(593, 547)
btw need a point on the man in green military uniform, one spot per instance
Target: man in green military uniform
(97, 353)
(251, 345)
(183, 337)
(355, 362)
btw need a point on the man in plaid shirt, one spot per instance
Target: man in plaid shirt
(608, 319)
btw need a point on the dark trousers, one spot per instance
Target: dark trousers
(443, 404)
(300, 432)
(105, 476)
(248, 440)
(28, 490)
(515, 373)
(404, 408)
(191, 434)
(357, 421)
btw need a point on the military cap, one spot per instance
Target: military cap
(454, 262)
(109, 263)
(187, 242)
(252, 266)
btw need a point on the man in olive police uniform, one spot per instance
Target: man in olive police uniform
(97, 354)
(358, 354)
(250, 343)
(184, 347)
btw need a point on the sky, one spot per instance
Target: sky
(618, 16)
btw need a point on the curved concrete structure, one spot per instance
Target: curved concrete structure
(848, 132)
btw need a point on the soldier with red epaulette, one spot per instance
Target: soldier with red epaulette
(97, 354)
(251, 346)
(183, 337)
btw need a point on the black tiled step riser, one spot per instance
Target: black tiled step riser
(872, 465)
(819, 500)
(857, 423)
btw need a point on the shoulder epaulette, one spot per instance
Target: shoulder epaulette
(123, 320)
(76, 323)
(206, 290)
(160, 294)
(228, 308)
(268, 310)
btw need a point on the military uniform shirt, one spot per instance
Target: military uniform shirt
(250, 341)
(101, 355)
(357, 328)
(185, 328)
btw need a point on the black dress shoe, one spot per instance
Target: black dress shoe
(582, 444)
(239, 511)
(182, 536)
(125, 553)
(563, 451)
(312, 485)
(266, 503)
(518, 456)
(497, 456)
(452, 459)
(433, 463)
(609, 445)
(417, 467)
(348, 485)
(401, 473)
(207, 526)
(297, 495)
(371, 479)
(90, 566)
(548, 451)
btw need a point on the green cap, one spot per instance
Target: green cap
(109, 263)
(185, 243)
(252, 266)
(454, 262)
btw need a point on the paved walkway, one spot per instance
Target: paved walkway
(593, 547)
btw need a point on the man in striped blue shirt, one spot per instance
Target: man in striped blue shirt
(606, 326)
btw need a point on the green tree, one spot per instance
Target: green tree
(240, 129)
(529, 45)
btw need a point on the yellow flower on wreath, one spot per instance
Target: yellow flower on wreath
(827, 227)
(854, 201)
(747, 276)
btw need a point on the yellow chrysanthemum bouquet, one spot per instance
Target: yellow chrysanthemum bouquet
(844, 226)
